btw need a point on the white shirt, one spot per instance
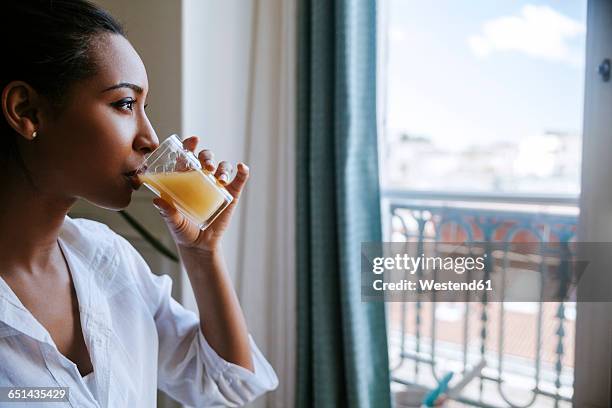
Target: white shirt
(90, 383)
(138, 336)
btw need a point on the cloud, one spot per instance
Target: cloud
(539, 31)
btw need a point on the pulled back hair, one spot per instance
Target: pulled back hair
(47, 44)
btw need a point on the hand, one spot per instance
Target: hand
(186, 233)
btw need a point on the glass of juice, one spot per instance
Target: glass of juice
(176, 175)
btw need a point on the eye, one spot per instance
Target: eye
(125, 104)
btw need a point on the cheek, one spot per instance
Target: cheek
(96, 145)
(102, 135)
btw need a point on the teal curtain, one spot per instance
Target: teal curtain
(342, 344)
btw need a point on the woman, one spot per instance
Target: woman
(79, 307)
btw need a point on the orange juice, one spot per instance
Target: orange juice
(197, 195)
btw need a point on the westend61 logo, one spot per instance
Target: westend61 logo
(472, 271)
(406, 266)
(410, 264)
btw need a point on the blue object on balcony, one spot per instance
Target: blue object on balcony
(430, 399)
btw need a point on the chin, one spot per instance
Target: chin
(122, 203)
(114, 206)
(115, 200)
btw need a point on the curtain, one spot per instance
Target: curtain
(342, 344)
(265, 278)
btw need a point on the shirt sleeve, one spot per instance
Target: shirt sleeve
(189, 369)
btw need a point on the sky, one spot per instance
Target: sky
(478, 71)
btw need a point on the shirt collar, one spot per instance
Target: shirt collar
(90, 258)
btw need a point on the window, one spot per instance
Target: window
(484, 96)
(482, 112)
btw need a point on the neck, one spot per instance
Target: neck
(30, 221)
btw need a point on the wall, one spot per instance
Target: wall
(216, 66)
(593, 369)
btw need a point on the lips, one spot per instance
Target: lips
(133, 179)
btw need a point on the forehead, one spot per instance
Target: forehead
(117, 61)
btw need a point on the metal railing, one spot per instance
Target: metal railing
(422, 217)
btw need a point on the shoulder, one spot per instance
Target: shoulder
(92, 236)
(84, 228)
(88, 225)
(112, 258)
(117, 263)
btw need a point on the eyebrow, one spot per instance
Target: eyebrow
(136, 88)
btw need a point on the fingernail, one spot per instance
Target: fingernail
(208, 163)
(223, 178)
(244, 167)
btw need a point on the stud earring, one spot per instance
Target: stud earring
(34, 135)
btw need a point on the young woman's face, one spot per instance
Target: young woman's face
(101, 133)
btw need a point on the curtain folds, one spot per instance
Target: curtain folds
(342, 344)
(266, 275)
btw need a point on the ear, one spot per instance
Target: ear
(21, 108)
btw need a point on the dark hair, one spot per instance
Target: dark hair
(48, 44)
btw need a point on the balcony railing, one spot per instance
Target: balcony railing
(528, 347)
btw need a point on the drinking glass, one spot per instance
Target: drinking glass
(176, 175)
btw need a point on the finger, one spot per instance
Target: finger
(242, 175)
(173, 218)
(207, 159)
(224, 172)
(191, 143)
(182, 164)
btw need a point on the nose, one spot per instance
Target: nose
(147, 140)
